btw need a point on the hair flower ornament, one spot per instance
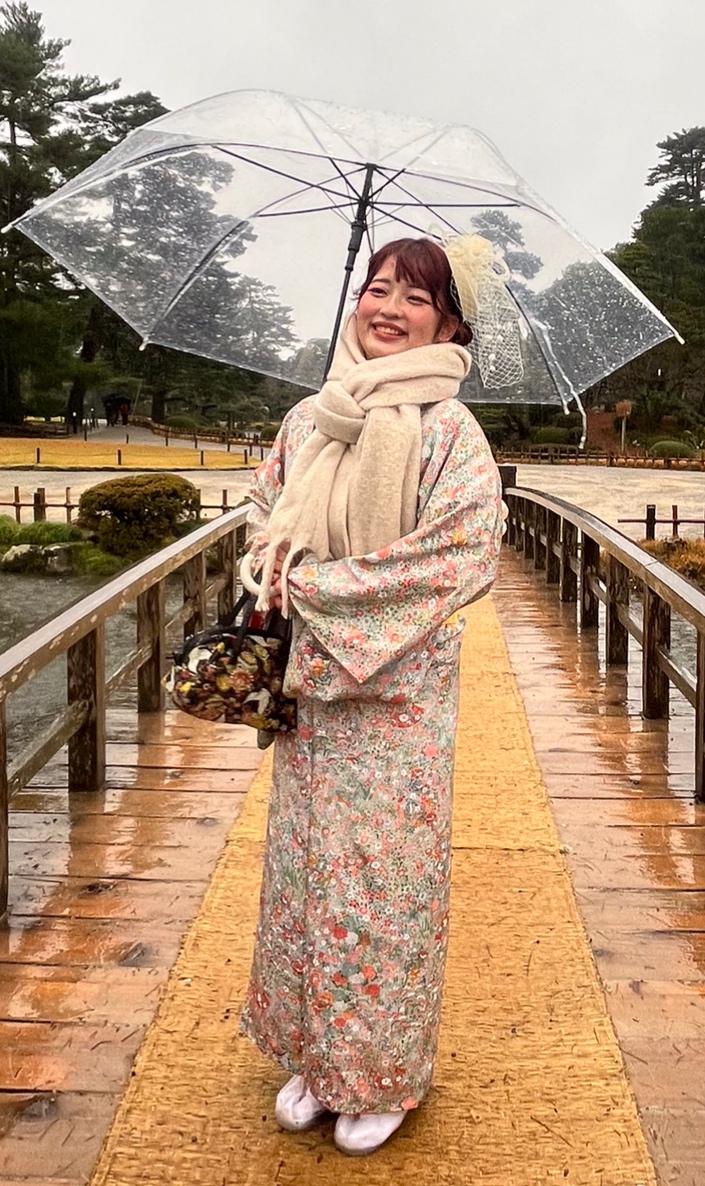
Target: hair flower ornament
(480, 289)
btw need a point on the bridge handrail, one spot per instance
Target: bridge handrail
(23, 660)
(566, 541)
(79, 632)
(688, 601)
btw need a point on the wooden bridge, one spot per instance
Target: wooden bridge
(120, 811)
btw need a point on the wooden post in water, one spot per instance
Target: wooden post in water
(150, 629)
(617, 635)
(657, 632)
(18, 505)
(651, 521)
(85, 666)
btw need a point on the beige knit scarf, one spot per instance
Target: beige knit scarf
(353, 487)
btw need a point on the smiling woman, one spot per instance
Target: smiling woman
(376, 516)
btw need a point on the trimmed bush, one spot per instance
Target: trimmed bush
(136, 515)
(671, 449)
(185, 421)
(8, 531)
(47, 533)
(93, 562)
(551, 436)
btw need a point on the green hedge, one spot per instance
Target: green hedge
(47, 533)
(135, 515)
(671, 449)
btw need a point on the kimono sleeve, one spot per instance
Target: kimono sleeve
(269, 478)
(369, 611)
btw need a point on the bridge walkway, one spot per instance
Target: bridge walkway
(109, 927)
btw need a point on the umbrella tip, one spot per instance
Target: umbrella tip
(144, 344)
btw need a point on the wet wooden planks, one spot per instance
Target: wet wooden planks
(622, 794)
(102, 890)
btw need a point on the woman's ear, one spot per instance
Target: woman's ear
(447, 329)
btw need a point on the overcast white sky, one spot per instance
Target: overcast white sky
(575, 93)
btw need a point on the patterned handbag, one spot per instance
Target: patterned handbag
(235, 672)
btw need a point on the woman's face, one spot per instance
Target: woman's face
(393, 315)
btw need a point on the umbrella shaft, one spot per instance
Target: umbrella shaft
(357, 230)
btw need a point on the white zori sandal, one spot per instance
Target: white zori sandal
(359, 1135)
(296, 1108)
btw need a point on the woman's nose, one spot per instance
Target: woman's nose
(391, 305)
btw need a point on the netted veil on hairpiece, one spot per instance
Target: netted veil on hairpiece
(479, 287)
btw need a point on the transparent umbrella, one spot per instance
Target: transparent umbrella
(233, 229)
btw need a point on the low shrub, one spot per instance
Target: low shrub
(92, 561)
(8, 531)
(686, 556)
(133, 516)
(268, 432)
(552, 436)
(47, 533)
(671, 449)
(185, 421)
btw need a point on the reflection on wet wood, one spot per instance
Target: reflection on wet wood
(102, 889)
(622, 790)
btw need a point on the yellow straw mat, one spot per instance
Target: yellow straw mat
(530, 1087)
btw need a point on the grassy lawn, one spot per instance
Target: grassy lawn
(75, 453)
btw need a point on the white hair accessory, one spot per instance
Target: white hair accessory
(480, 288)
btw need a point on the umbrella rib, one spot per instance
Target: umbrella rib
(264, 213)
(340, 135)
(281, 172)
(520, 203)
(196, 272)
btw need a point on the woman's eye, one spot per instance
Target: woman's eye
(419, 300)
(378, 292)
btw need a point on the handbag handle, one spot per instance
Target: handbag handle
(248, 581)
(250, 587)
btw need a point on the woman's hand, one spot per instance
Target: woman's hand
(282, 552)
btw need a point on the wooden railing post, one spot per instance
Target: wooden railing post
(700, 720)
(228, 594)
(150, 629)
(589, 568)
(657, 632)
(568, 581)
(511, 535)
(529, 523)
(539, 545)
(195, 590)
(521, 524)
(85, 668)
(616, 633)
(553, 535)
(4, 812)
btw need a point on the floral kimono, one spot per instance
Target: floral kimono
(350, 952)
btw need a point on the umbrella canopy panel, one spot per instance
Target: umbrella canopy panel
(222, 229)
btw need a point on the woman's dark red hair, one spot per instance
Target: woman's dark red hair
(423, 264)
